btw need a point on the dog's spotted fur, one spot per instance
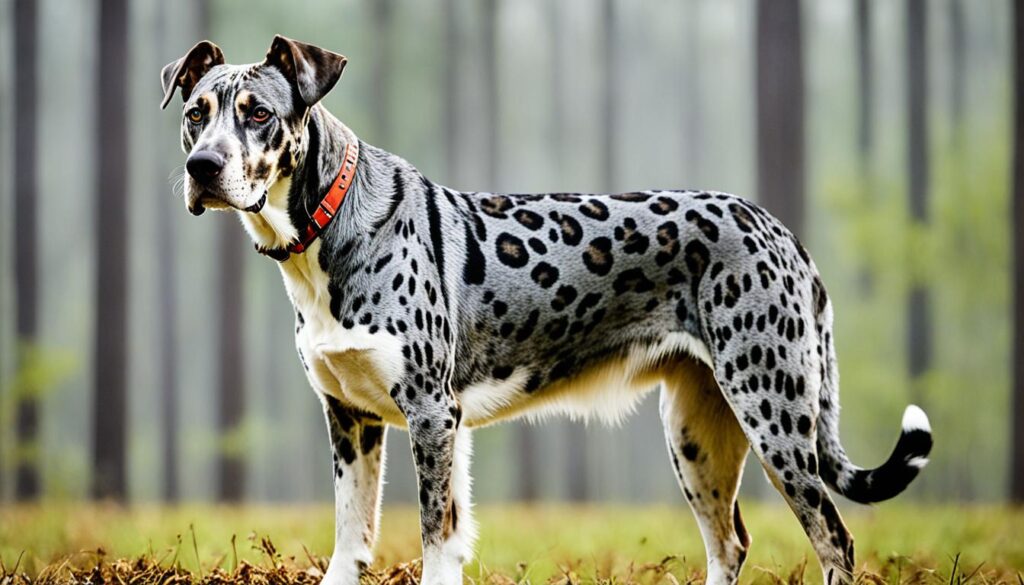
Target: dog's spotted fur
(439, 311)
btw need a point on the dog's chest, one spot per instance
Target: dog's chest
(350, 364)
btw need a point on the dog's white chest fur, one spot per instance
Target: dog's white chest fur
(352, 365)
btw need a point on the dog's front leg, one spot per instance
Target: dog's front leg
(357, 445)
(441, 452)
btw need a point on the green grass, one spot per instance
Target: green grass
(895, 543)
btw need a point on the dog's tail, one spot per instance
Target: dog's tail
(864, 485)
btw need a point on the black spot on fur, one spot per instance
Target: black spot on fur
(633, 280)
(544, 274)
(474, 270)
(571, 230)
(511, 251)
(565, 296)
(664, 205)
(529, 219)
(598, 256)
(370, 438)
(708, 228)
(496, 206)
(594, 209)
(691, 451)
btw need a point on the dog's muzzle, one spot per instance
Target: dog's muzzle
(204, 166)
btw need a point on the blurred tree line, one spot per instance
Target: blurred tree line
(146, 355)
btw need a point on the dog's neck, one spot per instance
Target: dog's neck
(291, 199)
(342, 245)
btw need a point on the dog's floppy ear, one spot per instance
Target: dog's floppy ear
(313, 71)
(187, 71)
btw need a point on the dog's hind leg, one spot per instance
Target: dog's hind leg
(707, 449)
(774, 392)
(357, 446)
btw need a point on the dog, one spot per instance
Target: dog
(438, 311)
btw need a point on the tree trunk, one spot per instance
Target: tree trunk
(165, 209)
(231, 362)
(451, 87)
(958, 67)
(382, 16)
(111, 328)
(780, 111)
(27, 485)
(1017, 400)
(919, 327)
(865, 84)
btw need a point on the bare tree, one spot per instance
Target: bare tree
(958, 67)
(451, 87)
(383, 16)
(780, 111)
(919, 326)
(167, 277)
(26, 135)
(865, 84)
(111, 327)
(231, 383)
(1017, 409)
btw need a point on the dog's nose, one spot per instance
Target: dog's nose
(204, 166)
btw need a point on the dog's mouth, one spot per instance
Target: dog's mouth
(208, 200)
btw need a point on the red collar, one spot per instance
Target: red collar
(325, 211)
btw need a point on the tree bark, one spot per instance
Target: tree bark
(1017, 400)
(919, 326)
(27, 482)
(780, 111)
(111, 285)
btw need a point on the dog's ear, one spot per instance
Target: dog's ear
(187, 71)
(313, 71)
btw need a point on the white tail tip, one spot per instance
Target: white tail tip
(918, 462)
(914, 419)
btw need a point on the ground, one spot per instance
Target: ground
(544, 543)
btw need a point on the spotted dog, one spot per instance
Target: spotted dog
(438, 311)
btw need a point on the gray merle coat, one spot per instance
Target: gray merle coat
(439, 311)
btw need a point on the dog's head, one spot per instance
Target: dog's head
(242, 126)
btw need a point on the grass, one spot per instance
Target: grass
(50, 543)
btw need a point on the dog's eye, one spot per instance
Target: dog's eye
(260, 114)
(195, 115)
